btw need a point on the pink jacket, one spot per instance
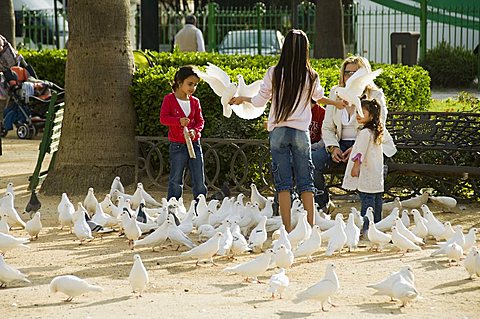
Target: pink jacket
(171, 112)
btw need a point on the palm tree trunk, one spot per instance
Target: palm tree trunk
(7, 21)
(98, 132)
(329, 42)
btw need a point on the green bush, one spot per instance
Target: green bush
(449, 66)
(49, 64)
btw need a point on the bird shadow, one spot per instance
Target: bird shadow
(257, 301)
(382, 257)
(179, 269)
(452, 283)
(106, 302)
(228, 287)
(46, 305)
(293, 314)
(432, 265)
(390, 308)
(466, 289)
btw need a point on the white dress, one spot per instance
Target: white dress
(370, 179)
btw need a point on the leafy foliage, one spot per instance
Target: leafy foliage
(450, 66)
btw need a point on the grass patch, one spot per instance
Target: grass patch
(464, 102)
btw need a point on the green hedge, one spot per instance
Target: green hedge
(450, 67)
(406, 88)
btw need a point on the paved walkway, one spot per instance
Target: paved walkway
(442, 94)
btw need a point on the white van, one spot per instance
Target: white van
(35, 24)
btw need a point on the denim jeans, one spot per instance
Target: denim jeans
(323, 160)
(291, 148)
(179, 160)
(373, 200)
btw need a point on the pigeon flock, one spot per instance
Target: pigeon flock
(210, 230)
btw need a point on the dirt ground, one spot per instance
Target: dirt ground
(178, 289)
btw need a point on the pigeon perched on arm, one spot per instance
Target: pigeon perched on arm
(355, 86)
(246, 110)
(220, 83)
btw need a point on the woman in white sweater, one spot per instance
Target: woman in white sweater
(340, 129)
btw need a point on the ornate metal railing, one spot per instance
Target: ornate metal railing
(435, 150)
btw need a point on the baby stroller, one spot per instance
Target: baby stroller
(27, 97)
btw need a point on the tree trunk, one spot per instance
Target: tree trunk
(329, 42)
(98, 132)
(7, 21)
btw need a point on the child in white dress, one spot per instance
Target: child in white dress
(364, 170)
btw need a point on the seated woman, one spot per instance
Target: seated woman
(340, 129)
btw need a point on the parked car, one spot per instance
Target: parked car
(246, 42)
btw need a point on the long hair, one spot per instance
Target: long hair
(180, 76)
(290, 75)
(361, 62)
(375, 124)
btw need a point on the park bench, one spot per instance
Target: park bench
(50, 139)
(435, 150)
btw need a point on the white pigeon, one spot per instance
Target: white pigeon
(301, 231)
(448, 232)
(107, 204)
(9, 242)
(148, 198)
(435, 227)
(130, 227)
(387, 223)
(402, 229)
(470, 262)
(377, 238)
(116, 185)
(221, 85)
(175, 235)
(402, 242)
(311, 245)
(205, 231)
(103, 219)
(9, 273)
(323, 290)
(338, 238)
(358, 217)
(72, 286)
(34, 226)
(90, 202)
(7, 206)
(404, 291)
(353, 233)
(239, 244)
(258, 235)
(253, 268)
(405, 218)
(445, 201)
(256, 197)
(157, 238)
(470, 239)
(457, 238)
(4, 227)
(420, 229)
(246, 110)
(282, 239)
(390, 205)
(283, 257)
(278, 283)
(454, 252)
(385, 287)
(80, 226)
(205, 250)
(416, 201)
(226, 243)
(355, 86)
(138, 277)
(65, 212)
(323, 222)
(268, 209)
(186, 226)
